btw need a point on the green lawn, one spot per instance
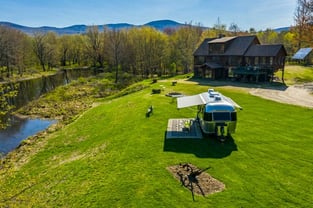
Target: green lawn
(295, 74)
(113, 156)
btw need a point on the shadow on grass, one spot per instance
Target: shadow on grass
(263, 85)
(203, 148)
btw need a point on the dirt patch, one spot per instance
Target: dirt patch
(196, 180)
(296, 95)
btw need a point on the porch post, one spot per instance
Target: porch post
(282, 74)
(283, 71)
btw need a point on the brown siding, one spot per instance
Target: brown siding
(234, 52)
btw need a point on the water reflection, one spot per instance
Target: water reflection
(20, 129)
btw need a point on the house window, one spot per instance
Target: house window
(234, 61)
(217, 48)
(216, 59)
(200, 60)
(271, 60)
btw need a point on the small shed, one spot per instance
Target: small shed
(304, 55)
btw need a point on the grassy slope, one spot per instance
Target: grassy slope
(112, 156)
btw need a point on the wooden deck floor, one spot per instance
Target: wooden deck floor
(176, 129)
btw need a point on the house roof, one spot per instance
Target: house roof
(240, 45)
(203, 48)
(302, 53)
(222, 40)
(265, 50)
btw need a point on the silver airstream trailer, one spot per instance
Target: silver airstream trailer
(216, 113)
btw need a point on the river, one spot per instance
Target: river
(32, 89)
(19, 130)
(29, 90)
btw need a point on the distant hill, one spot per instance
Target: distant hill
(163, 24)
(282, 29)
(79, 29)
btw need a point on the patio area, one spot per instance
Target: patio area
(183, 128)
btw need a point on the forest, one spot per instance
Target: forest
(142, 51)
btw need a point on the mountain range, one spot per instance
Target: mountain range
(79, 29)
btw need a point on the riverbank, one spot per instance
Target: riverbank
(62, 105)
(65, 104)
(27, 76)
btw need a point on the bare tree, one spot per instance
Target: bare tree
(52, 52)
(252, 31)
(40, 49)
(95, 45)
(5, 50)
(64, 43)
(115, 42)
(234, 28)
(13, 50)
(303, 17)
(219, 27)
(76, 52)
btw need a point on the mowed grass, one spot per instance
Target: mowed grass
(113, 156)
(295, 74)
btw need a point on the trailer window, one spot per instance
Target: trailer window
(207, 116)
(221, 116)
(234, 116)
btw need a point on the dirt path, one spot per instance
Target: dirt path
(297, 95)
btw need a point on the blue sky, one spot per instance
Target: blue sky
(259, 14)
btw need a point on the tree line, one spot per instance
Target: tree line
(142, 51)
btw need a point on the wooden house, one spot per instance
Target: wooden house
(238, 58)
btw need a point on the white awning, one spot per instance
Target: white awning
(203, 99)
(187, 101)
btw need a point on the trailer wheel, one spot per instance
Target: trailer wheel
(222, 131)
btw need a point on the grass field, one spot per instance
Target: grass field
(113, 156)
(295, 74)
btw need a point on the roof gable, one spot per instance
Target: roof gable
(203, 48)
(240, 45)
